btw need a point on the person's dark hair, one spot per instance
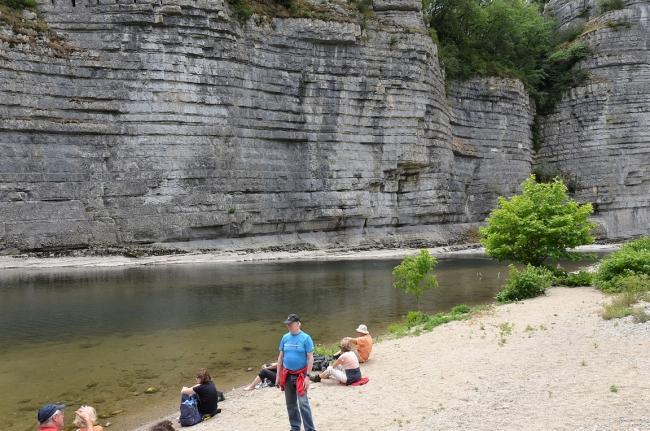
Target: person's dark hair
(163, 426)
(203, 376)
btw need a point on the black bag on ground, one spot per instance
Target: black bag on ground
(320, 363)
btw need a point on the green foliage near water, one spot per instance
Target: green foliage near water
(626, 273)
(326, 350)
(627, 269)
(529, 282)
(414, 276)
(507, 38)
(418, 321)
(581, 278)
(538, 225)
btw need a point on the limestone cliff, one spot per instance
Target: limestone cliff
(171, 122)
(599, 136)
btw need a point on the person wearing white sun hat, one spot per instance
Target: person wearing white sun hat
(363, 343)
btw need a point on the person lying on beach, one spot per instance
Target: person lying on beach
(268, 373)
(86, 419)
(206, 393)
(345, 369)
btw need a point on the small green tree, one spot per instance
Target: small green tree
(413, 275)
(540, 223)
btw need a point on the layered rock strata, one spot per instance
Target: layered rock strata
(172, 123)
(491, 122)
(599, 137)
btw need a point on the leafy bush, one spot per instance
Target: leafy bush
(625, 283)
(508, 38)
(499, 37)
(539, 224)
(608, 5)
(423, 321)
(413, 275)
(323, 350)
(415, 318)
(560, 74)
(461, 309)
(581, 278)
(626, 269)
(530, 282)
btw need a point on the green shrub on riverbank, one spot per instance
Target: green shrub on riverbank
(627, 269)
(418, 321)
(538, 225)
(329, 350)
(529, 282)
(626, 272)
(575, 279)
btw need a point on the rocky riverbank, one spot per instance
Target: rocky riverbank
(108, 259)
(547, 363)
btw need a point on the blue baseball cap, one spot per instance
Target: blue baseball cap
(46, 412)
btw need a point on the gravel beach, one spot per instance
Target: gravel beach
(549, 363)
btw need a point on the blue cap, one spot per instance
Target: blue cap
(46, 412)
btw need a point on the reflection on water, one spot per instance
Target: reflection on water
(103, 336)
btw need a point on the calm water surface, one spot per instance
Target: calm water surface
(103, 336)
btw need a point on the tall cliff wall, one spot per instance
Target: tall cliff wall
(172, 123)
(599, 136)
(491, 122)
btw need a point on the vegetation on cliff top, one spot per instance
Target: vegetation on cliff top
(507, 38)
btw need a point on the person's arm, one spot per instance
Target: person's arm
(310, 364)
(188, 391)
(279, 372)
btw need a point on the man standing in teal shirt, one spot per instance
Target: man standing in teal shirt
(294, 365)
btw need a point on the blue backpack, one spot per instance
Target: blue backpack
(189, 411)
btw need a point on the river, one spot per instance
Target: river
(103, 336)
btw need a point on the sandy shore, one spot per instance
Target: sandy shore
(554, 371)
(26, 262)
